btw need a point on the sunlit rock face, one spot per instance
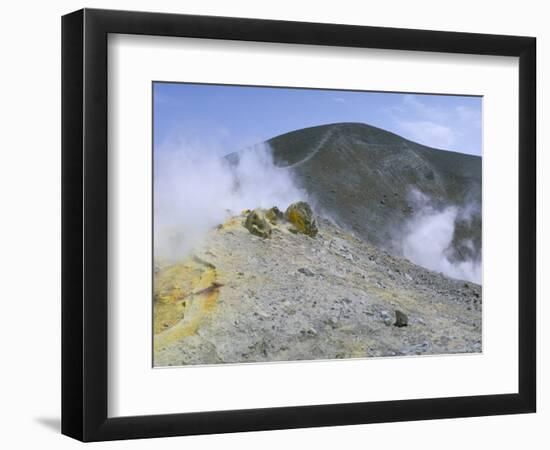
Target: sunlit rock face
(301, 216)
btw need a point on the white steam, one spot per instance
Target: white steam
(428, 236)
(195, 190)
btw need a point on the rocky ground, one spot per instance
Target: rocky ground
(283, 295)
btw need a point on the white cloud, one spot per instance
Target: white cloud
(470, 115)
(436, 126)
(338, 99)
(223, 131)
(429, 133)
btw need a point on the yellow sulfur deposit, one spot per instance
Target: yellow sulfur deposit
(183, 295)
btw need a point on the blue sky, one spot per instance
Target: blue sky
(228, 118)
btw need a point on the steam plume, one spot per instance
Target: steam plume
(428, 237)
(195, 190)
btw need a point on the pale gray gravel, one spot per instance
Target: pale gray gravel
(293, 297)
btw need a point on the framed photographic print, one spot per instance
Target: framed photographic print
(273, 224)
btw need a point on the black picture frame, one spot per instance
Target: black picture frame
(84, 224)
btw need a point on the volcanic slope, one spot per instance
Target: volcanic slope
(362, 177)
(243, 298)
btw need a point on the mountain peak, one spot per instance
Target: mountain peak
(363, 177)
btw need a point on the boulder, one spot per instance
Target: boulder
(301, 216)
(401, 319)
(306, 272)
(257, 224)
(386, 318)
(273, 215)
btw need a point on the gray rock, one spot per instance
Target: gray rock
(257, 224)
(301, 216)
(273, 215)
(306, 272)
(401, 319)
(386, 318)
